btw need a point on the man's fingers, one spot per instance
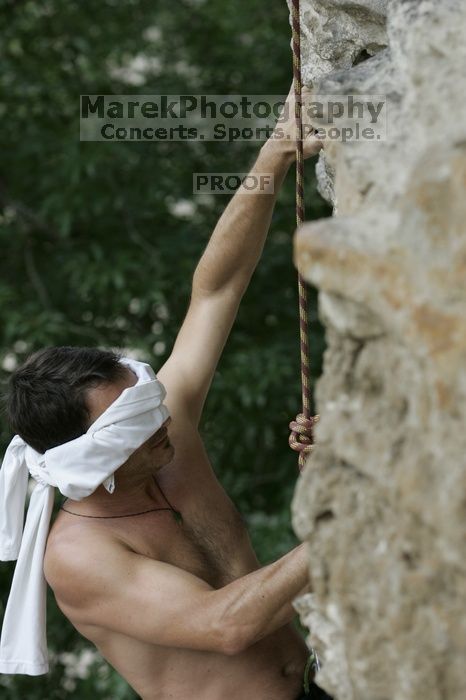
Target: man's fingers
(313, 143)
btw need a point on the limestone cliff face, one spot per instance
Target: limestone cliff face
(382, 501)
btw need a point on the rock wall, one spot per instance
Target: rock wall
(382, 500)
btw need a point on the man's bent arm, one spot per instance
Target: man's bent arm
(161, 604)
(260, 602)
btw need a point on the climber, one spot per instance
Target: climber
(147, 556)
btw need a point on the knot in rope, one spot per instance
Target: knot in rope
(302, 436)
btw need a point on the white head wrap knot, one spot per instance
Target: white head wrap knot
(76, 468)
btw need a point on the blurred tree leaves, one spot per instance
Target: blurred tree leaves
(95, 252)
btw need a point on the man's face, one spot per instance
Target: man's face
(154, 453)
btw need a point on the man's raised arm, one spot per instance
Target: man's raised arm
(223, 274)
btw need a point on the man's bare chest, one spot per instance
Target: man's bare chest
(210, 540)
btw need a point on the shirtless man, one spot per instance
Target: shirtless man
(180, 606)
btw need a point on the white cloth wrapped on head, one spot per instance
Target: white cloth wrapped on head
(76, 468)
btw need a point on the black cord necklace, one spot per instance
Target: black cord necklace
(176, 513)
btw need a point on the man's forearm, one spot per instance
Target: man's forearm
(238, 239)
(259, 603)
(287, 613)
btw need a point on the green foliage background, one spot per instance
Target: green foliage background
(93, 252)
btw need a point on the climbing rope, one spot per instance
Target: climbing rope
(301, 437)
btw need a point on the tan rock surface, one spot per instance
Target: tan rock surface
(382, 501)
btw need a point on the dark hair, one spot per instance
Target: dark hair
(46, 397)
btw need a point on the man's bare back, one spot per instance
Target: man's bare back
(211, 543)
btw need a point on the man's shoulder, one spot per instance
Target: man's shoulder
(74, 551)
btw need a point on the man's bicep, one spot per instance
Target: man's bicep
(188, 372)
(148, 600)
